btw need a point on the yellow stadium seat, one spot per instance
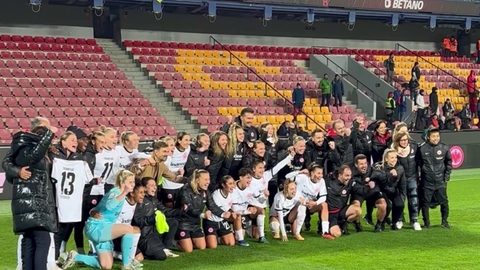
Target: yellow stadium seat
(179, 68)
(235, 62)
(182, 53)
(327, 118)
(316, 110)
(325, 110)
(258, 62)
(188, 69)
(458, 107)
(242, 93)
(475, 121)
(289, 117)
(307, 102)
(180, 60)
(271, 119)
(308, 110)
(223, 111)
(251, 93)
(233, 85)
(187, 76)
(462, 100)
(311, 127)
(214, 54)
(454, 99)
(205, 85)
(449, 92)
(196, 77)
(251, 86)
(242, 86)
(260, 70)
(318, 118)
(197, 69)
(287, 94)
(207, 61)
(242, 55)
(233, 93)
(190, 61)
(456, 92)
(223, 85)
(280, 119)
(441, 99)
(301, 119)
(203, 54)
(198, 61)
(190, 53)
(276, 70)
(250, 63)
(224, 62)
(215, 85)
(261, 119)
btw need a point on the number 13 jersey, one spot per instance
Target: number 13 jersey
(71, 176)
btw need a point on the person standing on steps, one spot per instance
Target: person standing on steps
(389, 64)
(298, 98)
(337, 90)
(326, 87)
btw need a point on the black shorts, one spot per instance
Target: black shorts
(372, 199)
(221, 228)
(245, 220)
(197, 232)
(117, 246)
(167, 195)
(338, 217)
(357, 197)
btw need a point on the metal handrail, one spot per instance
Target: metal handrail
(267, 85)
(363, 59)
(446, 73)
(371, 93)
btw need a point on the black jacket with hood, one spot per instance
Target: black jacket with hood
(435, 163)
(409, 162)
(343, 146)
(320, 154)
(33, 201)
(195, 160)
(251, 134)
(361, 141)
(391, 185)
(274, 148)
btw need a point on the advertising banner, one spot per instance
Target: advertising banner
(462, 8)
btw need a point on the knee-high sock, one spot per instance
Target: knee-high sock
(239, 234)
(301, 213)
(274, 226)
(136, 237)
(127, 245)
(91, 246)
(88, 260)
(51, 253)
(261, 225)
(19, 253)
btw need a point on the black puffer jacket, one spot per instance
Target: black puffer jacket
(195, 160)
(274, 148)
(298, 163)
(343, 146)
(435, 164)
(234, 162)
(251, 134)
(409, 162)
(90, 157)
(319, 154)
(389, 184)
(144, 216)
(248, 159)
(362, 179)
(379, 145)
(196, 203)
(361, 141)
(33, 202)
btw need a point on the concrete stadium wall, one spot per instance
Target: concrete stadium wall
(17, 18)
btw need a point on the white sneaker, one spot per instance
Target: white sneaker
(117, 255)
(170, 254)
(399, 225)
(417, 227)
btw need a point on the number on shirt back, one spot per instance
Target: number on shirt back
(107, 170)
(226, 225)
(67, 185)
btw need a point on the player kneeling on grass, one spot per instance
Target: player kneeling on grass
(259, 188)
(287, 209)
(312, 188)
(339, 190)
(216, 227)
(155, 242)
(241, 204)
(196, 196)
(101, 229)
(126, 216)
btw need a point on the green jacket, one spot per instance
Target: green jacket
(326, 86)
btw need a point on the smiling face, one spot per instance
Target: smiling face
(246, 180)
(99, 143)
(300, 147)
(240, 134)
(185, 141)
(259, 149)
(259, 170)
(222, 141)
(70, 143)
(203, 181)
(205, 141)
(229, 186)
(132, 141)
(291, 190)
(111, 139)
(82, 144)
(151, 188)
(129, 181)
(138, 194)
(391, 159)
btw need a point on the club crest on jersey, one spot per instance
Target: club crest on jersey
(169, 196)
(210, 230)
(94, 202)
(301, 160)
(439, 152)
(367, 179)
(184, 156)
(320, 153)
(252, 134)
(316, 191)
(230, 204)
(182, 234)
(264, 183)
(411, 151)
(249, 196)
(344, 192)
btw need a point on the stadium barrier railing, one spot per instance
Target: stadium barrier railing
(288, 105)
(461, 84)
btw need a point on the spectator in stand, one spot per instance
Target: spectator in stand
(420, 101)
(472, 93)
(448, 109)
(390, 107)
(416, 73)
(337, 90)
(433, 100)
(453, 46)
(446, 47)
(298, 98)
(326, 87)
(465, 116)
(389, 64)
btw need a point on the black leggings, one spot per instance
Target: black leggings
(35, 248)
(64, 232)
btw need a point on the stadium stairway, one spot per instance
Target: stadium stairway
(147, 87)
(305, 65)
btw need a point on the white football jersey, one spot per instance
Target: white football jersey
(71, 177)
(258, 186)
(123, 162)
(241, 199)
(307, 189)
(225, 203)
(104, 162)
(126, 214)
(176, 162)
(280, 203)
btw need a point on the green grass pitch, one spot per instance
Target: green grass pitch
(435, 249)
